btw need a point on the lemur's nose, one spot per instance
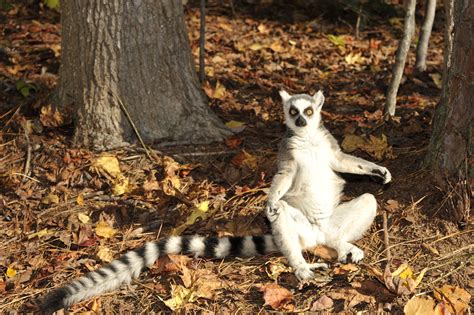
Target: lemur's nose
(300, 122)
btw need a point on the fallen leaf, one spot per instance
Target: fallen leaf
(277, 47)
(50, 199)
(10, 272)
(392, 205)
(151, 185)
(233, 142)
(199, 213)
(84, 218)
(262, 28)
(325, 253)
(105, 254)
(80, 200)
(351, 297)
(179, 297)
(256, 46)
(39, 234)
(374, 146)
(345, 269)
(275, 267)
(235, 126)
(402, 281)
(430, 248)
(277, 297)
(323, 303)
(109, 164)
(456, 299)
(103, 229)
(243, 158)
(336, 40)
(51, 117)
(437, 79)
(418, 305)
(354, 58)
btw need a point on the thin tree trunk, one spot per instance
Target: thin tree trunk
(451, 149)
(425, 33)
(402, 52)
(138, 52)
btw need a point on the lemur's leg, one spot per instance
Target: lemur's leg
(292, 232)
(349, 221)
(346, 163)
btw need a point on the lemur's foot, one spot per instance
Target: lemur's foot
(273, 210)
(383, 173)
(306, 272)
(356, 253)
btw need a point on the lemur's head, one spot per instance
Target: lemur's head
(302, 111)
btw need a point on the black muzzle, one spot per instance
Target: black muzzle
(300, 122)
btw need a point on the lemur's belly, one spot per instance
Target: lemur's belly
(318, 189)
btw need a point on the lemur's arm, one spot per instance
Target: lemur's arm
(282, 180)
(346, 163)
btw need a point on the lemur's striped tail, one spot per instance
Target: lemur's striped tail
(129, 266)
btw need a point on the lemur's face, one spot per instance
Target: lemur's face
(302, 111)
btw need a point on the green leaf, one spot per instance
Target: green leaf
(52, 4)
(336, 40)
(24, 88)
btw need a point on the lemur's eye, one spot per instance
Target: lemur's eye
(293, 112)
(308, 111)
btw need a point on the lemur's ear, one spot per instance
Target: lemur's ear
(319, 98)
(284, 96)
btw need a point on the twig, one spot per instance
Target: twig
(223, 152)
(385, 238)
(447, 274)
(122, 106)
(26, 170)
(402, 52)
(470, 246)
(202, 39)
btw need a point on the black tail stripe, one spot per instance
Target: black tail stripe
(210, 245)
(162, 246)
(102, 272)
(236, 245)
(185, 245)
(259, 242)
(75, 286)
(141, 252)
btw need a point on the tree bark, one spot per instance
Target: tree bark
(400, 59)
(136, 51)
(425, 33)
(450, 153)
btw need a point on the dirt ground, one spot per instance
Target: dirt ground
(65, 217)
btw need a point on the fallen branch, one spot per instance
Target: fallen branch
(26, 171)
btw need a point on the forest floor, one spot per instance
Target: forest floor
(62, 214)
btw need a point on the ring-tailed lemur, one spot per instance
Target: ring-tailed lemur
(303, 208)
(304, 200)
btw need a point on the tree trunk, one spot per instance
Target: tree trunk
(135, 53)
(425, 32)
(451, 148)
(400, 59)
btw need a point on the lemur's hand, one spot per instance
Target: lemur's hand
(382, 173)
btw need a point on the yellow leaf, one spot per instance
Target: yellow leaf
(201, 212)
(80, 199)
(220, 91)
(50, 199)
(109, 164)
(277, 47)
(418, 305)
(235, 126)
(437, 79)
(84, 218)
(119, 185)
(39, 234)
(10, 272)
(103, 229)
(179, 297)
(262, 28)
(105, 254)
(256, 46)
(354, 58)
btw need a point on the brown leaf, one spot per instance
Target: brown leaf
(323, 303)
(457, 299)
(243, 158)
(277, 297)
(374, 146)
(351, 296)
(345, 269)
(325, 253)
(418, 305)
(233, 142)
(392, 205)
(51, 117)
